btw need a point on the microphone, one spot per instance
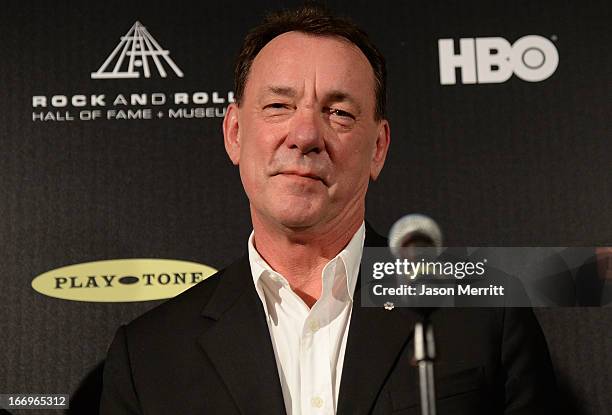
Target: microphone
(412, 232)
(415, 237)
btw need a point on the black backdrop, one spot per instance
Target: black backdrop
(511, 163)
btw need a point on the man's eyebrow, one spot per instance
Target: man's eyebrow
(285, 91)
(336, 95)
(342, 96)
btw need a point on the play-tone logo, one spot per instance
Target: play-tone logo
(137, 46)
(493, 59)
(121, 280)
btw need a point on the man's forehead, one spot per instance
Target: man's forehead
(294, 41)
(280, 65)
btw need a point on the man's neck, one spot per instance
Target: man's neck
(300, 255)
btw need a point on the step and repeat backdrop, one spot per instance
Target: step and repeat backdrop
(116, 192)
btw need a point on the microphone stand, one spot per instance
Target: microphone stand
(406, 239)
(424, 355)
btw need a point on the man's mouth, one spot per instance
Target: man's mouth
(305, 175)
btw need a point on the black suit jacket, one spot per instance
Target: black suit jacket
(208, 351)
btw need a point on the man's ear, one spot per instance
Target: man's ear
(383, 139)
(231, 133)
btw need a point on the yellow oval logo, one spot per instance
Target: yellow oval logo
(121, 280)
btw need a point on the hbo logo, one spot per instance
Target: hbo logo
(493, 59)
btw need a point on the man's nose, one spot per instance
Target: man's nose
(306, 132)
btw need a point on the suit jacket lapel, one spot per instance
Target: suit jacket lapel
(238, 343)
(376, 338)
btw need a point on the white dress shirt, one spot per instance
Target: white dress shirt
(309, 343)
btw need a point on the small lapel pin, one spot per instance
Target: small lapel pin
(389, 305)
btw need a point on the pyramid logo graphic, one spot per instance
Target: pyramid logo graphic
(130, 59)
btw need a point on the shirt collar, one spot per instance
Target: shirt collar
(350, 256)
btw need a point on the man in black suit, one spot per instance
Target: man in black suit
(282, 330)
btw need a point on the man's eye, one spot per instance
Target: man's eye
(277, 110)
(340, 118)
(276, 105)
(341, 113)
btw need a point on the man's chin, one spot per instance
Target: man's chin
(296, 211)
(298, 220)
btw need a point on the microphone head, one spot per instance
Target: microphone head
(414, 231)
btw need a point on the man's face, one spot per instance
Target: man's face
(305, 136)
